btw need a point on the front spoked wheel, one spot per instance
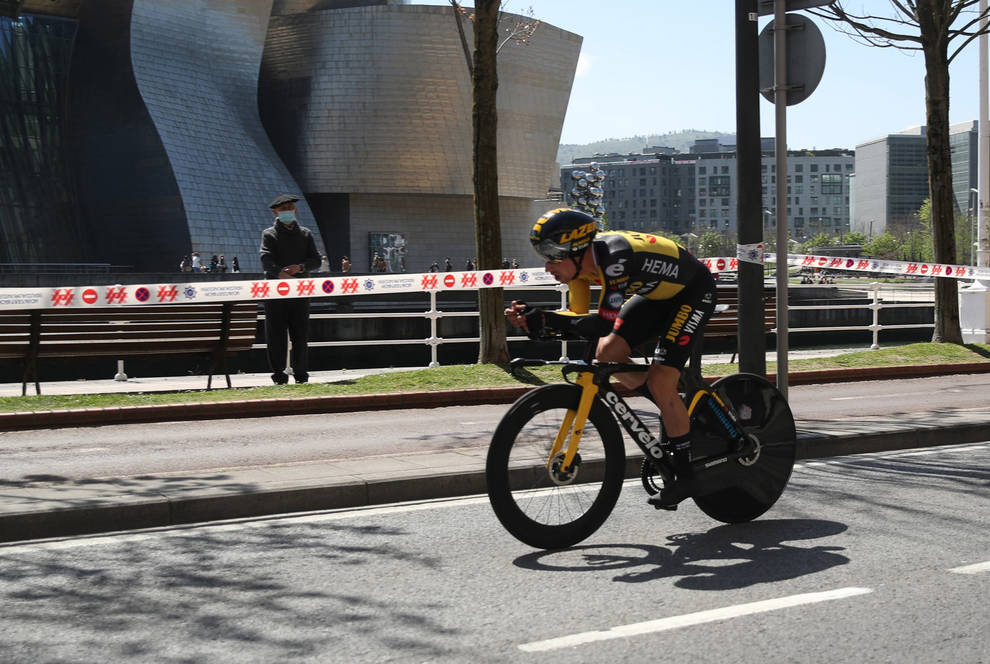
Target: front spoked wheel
(755, 482)
(540, 502)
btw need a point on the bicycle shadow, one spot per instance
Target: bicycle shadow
(724, 558)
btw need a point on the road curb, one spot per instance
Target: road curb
(129, 512)
(396, 401)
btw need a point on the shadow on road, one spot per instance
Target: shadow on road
(725, 557)
(219, 594)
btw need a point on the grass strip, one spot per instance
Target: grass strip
(465, 377)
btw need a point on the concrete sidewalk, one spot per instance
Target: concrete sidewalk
(43, 508)
(109, 385)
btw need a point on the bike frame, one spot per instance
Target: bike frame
(594, 382)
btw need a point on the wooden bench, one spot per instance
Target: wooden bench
(216, 330)
(724, 324)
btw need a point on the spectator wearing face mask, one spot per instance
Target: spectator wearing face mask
(288, 251)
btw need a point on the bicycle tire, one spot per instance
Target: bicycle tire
(751, 489)
(531, 502)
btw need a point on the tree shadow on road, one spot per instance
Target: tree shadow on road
(725, 557)
(270, 592)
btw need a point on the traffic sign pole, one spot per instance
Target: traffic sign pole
(752, 344)
(780, 147)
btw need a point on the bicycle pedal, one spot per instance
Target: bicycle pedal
(668, 508)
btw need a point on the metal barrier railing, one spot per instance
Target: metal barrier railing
(921, 296)
(876, 305)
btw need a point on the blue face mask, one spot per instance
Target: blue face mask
(287, 216)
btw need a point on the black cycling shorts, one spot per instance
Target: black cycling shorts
(677, 321)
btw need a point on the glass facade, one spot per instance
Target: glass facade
(38, 202)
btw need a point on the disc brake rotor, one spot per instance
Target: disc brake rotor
(559, 476)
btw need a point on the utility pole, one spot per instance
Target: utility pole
(749, 210)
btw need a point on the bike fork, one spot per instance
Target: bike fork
(573, 425)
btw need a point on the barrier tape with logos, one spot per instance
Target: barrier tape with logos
(266, 289)
(239, 291)
(862, 265)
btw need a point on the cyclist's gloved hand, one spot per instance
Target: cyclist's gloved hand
(534, 322)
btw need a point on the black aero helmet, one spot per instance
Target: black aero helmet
(563, 233)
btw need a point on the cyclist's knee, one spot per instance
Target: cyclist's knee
(613, 348)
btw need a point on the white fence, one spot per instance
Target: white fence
(880, 296)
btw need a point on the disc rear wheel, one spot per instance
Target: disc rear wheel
(755, 482)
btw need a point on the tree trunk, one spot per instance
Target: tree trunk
(488, 234)
(940, 178)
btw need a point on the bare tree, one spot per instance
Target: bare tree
(929, 26)
(483, 67)
(487, 223)
(519, 31)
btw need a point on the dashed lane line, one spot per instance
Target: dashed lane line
(690, 619)
(978, 568)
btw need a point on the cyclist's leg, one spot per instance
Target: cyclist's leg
(683, 326)
(613, 348)
(633, 325)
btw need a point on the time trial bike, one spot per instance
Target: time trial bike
(557, 460)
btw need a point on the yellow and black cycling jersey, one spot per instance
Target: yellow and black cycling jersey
(629, 263)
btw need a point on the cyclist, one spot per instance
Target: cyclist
(672, 296)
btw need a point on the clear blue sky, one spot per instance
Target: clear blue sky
(657, 66)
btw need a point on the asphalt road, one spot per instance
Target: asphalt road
(134, 449)
(872, 558)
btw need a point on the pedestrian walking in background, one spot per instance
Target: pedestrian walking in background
(235, 265)
(345, 264)
(185, 265)
(324, 264)
(196, 265)
(468, 265)
(447, 265)
(222, 264)
(288, 251)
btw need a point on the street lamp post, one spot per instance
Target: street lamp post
(973, 221)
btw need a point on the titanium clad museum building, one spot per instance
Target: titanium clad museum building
(135, 132)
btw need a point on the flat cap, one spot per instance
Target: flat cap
(283, 199)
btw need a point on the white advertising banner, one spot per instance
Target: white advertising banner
(265, 289)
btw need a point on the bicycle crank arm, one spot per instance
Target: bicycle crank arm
(750, 449)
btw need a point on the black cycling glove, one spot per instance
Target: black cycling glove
(534, 322)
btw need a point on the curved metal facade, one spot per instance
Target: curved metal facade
(376, 101)
(196, 65)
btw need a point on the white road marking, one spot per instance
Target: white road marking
(972, 569)
(863, 396)
(687, 620)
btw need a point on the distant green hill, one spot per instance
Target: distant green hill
(680, 140)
